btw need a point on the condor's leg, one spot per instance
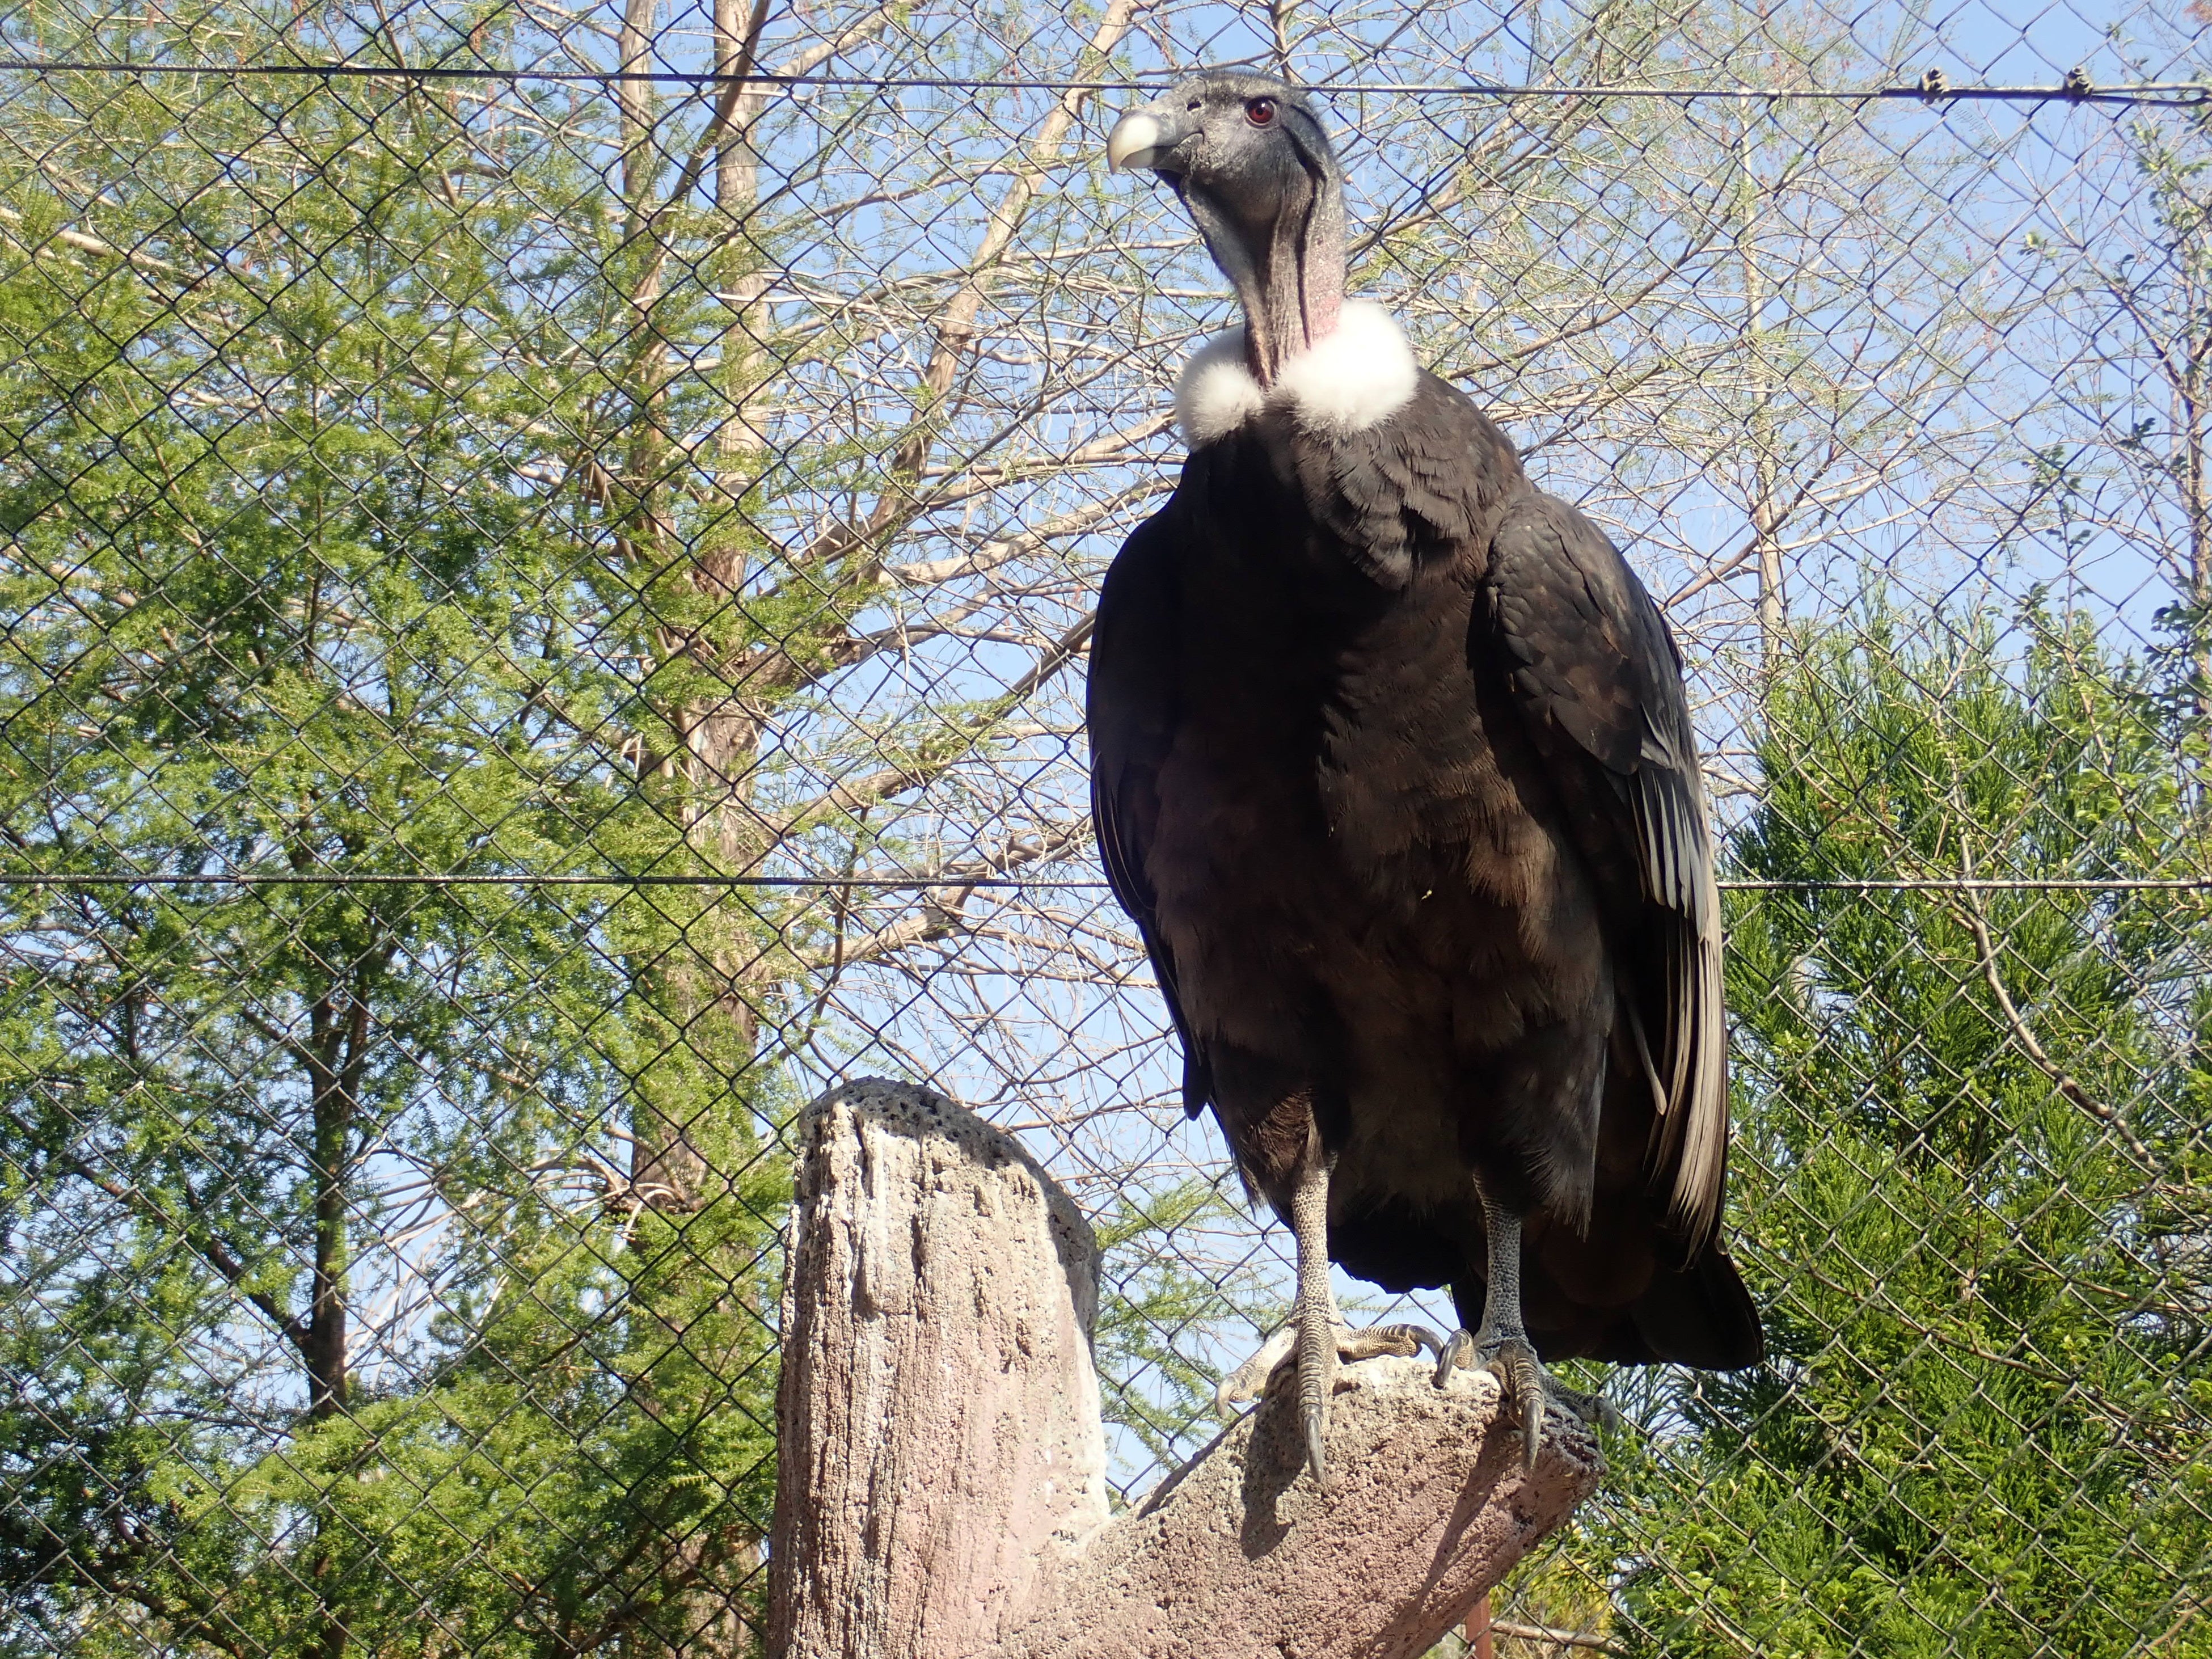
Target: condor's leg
(1316, 1333)
(1315, 1313)
(1502, 1345)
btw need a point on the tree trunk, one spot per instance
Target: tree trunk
(941, 1461)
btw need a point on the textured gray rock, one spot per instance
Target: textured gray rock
(939, 1439)
(941, 1490)
(1239, 1556)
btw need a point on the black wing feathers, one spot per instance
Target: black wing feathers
(1131, 709)
(1591, 661)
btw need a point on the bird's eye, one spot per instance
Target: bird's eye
(1260, 111)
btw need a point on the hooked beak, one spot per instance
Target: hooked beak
(1142, 138)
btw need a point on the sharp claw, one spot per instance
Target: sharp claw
(1515, 1363)
(1455, 1350)
(1420, 1336)
(1317, 1423)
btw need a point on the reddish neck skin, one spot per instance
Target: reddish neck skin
(1324, 291)
(1282, 319)
(1288, 324)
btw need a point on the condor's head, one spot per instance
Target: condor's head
(1247, 155)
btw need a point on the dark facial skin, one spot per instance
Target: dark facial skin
(1247, 155)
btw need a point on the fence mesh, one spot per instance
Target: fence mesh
(544, 606)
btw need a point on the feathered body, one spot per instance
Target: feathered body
(1393, 766)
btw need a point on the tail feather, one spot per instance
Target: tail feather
(1701, 1315)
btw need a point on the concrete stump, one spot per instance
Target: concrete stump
(941, 1489)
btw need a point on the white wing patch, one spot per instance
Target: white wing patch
(1363, 374)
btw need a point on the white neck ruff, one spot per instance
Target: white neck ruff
(1363, 374)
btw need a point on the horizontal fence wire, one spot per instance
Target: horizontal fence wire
(2149, 93)
(546, 556)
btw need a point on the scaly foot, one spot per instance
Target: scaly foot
(1316, 1330)
(1508, 1356)
(1249, 1380)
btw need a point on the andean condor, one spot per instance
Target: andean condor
(1393, 767)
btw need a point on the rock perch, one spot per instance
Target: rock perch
(941, 1488)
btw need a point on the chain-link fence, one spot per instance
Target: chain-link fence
(545, 600)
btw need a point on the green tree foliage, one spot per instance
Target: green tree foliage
(1168, 1286)
(410, 490)
(326, 1325)
(1969, 1176)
